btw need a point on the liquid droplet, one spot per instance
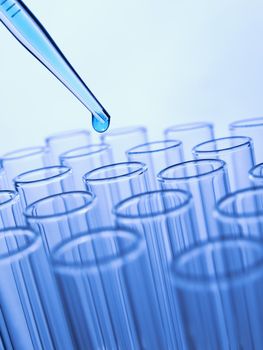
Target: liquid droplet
(100, 122)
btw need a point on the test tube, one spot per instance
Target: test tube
(157, 156)
(219, 286)
(22, 160)
(252, 128)
(241, 212)
(122, 139)
(207, 181)
(3, 181)
(236, 151)
(166, 220)
(85, 159)
(105, 272)
(60, 216)
(256, 175)
(111, 184)
(40, 183)
(66, 140)
(10, 209)
(189, 134)
(29, 300)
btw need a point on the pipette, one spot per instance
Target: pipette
(27, 29)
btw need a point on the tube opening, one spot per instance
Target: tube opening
(17, 243)
(7, 197)
(67, 135)
(222, 144)
(123, 131)
(22, 153)
(59, 205)
(115, 172)
(152, 204)
(84, 151)
(42, 174)
(192, 169)
(189, 126)
(152, 147)
(97, 251)
(247, 123)
(216, 263)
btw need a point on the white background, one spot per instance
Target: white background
(150, 62)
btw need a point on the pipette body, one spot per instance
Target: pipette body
(27, 29)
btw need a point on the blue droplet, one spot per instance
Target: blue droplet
(100, 122)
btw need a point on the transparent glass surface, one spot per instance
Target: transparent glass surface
(190, 134)
(10, 209)
(236, 151)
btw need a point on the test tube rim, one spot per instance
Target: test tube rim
(248, 141)
(13, 155)
(138, 217)
(66, 134)
(14, 197)
(20, 253)
(238, 123)
(18, 181)
(221, 166)
(175, 143)
(219, 212)
(224, 281)
(66, 155)
(189, 126)
(123, 130)
(141, 168)
(31, 208)
(252, 174)
(93, 267)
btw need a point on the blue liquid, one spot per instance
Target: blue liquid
(100, 122)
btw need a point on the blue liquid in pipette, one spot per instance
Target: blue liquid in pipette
(33, 36)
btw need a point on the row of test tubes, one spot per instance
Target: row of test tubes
(130, 244)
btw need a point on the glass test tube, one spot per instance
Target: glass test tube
(236, 151)
(219, 286)
(66, 140)
(85, 159)
(207, 181)
(105, 273)
(22, 160)
(122, 139)
(166, 220)
(256, 175)
(190, 134)
(252, 128)
(60, 216)
(111, 184)
(30, 306)
(40, 183)
(3, 181)
(10, 209)
(157, 156)
(241, 212)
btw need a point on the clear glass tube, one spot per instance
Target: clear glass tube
(85, 159)
(111, 184)
(66, 140)
(29, 300)
(3, 181)
(166, 220)
(207, 181)
(256, 175)
(22, 160)
(219, 286)
(252, 128)
(190, 134)
(122, 139)
(106, 273)
(60, 216)
(236, 151)
(157, 156)
(40, 183)
(10, 209)
(241, 212)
